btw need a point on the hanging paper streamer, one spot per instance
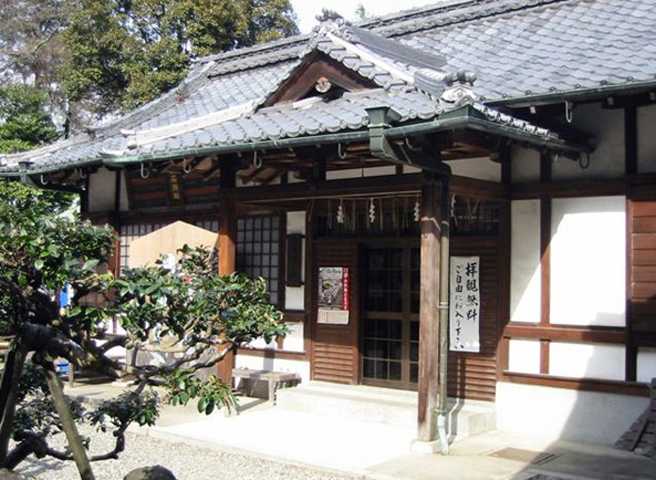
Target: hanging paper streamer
(465, 302)
(340, 212)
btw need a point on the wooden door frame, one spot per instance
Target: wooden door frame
(405, 243)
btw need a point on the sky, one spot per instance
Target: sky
(308, 9)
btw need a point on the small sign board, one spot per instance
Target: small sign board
(334, 295)
(464, 304)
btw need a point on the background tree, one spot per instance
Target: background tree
(104, 56)
(327, 15)
(30, 42)
(24, 121)
(25, 124)
(125, 53)
(190, 311)
(361, 12)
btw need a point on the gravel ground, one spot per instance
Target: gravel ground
(187, 462)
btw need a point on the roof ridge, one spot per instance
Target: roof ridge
(391, 25)
(402, 15)
(458, 11)
(287, 41)
(254, 49)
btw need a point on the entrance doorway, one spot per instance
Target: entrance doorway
(390, 316)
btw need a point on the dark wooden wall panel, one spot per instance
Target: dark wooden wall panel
(474, 375)
(335, 356)
(642, 290)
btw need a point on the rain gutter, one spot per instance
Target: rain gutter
(460, 119)
(583, 95)
(455, 120)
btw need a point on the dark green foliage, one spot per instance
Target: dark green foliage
(125, 53)
(101, 56)
(24, 122)
(125, 409)
(189, 311)
(36, 414)
(212, 394)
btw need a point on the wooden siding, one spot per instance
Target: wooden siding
(642, 258)
(474, 375)
(335, 356)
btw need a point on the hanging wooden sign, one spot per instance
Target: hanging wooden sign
(464, 304)
(334, 295)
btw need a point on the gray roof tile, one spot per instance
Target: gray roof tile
(517, 48)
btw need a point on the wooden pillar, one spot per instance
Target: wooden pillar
(227, 254)
(428, 312)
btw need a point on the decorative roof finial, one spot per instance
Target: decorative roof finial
(459, 90)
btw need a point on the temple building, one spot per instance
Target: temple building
(457, 197)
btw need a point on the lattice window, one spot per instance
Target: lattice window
(258, 251)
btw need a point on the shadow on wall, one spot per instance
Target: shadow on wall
(588, 268)
(588, 285)
(613, 415)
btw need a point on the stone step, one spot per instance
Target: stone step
(384, 405)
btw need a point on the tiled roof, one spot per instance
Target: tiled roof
(557, 46)
(517, 48)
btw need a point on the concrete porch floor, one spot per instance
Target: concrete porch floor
(380, 450)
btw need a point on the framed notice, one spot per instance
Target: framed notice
(464, 304)
(334, 295)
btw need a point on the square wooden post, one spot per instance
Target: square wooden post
(429, 316)
(227, 246)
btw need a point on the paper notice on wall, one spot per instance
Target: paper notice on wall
(334, 295)
(464, 304)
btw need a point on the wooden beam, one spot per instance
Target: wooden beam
(570, 189)
(387, 184)
(631, 140)
(584, 384)
(428, 312)
(631, 168)
(227, 243)
(545, 259)
(561, 333)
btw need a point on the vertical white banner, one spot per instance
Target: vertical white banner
(464, 304)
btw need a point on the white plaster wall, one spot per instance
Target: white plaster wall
(480, 168)
(411, 169)
(525, 165)
(607, 160)
(524, 356)
(566, 414)
(588, 261)
(294, 341)
(301, 367)
(102, 185)
(525, 284)
(261, 343)
(647, 139)
(360, 172)
(295, 296)
(646, 364)
(587, 360)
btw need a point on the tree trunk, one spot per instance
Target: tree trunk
(8, 395)
(70, 429)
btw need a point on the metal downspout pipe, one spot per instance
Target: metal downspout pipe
(442, 409)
